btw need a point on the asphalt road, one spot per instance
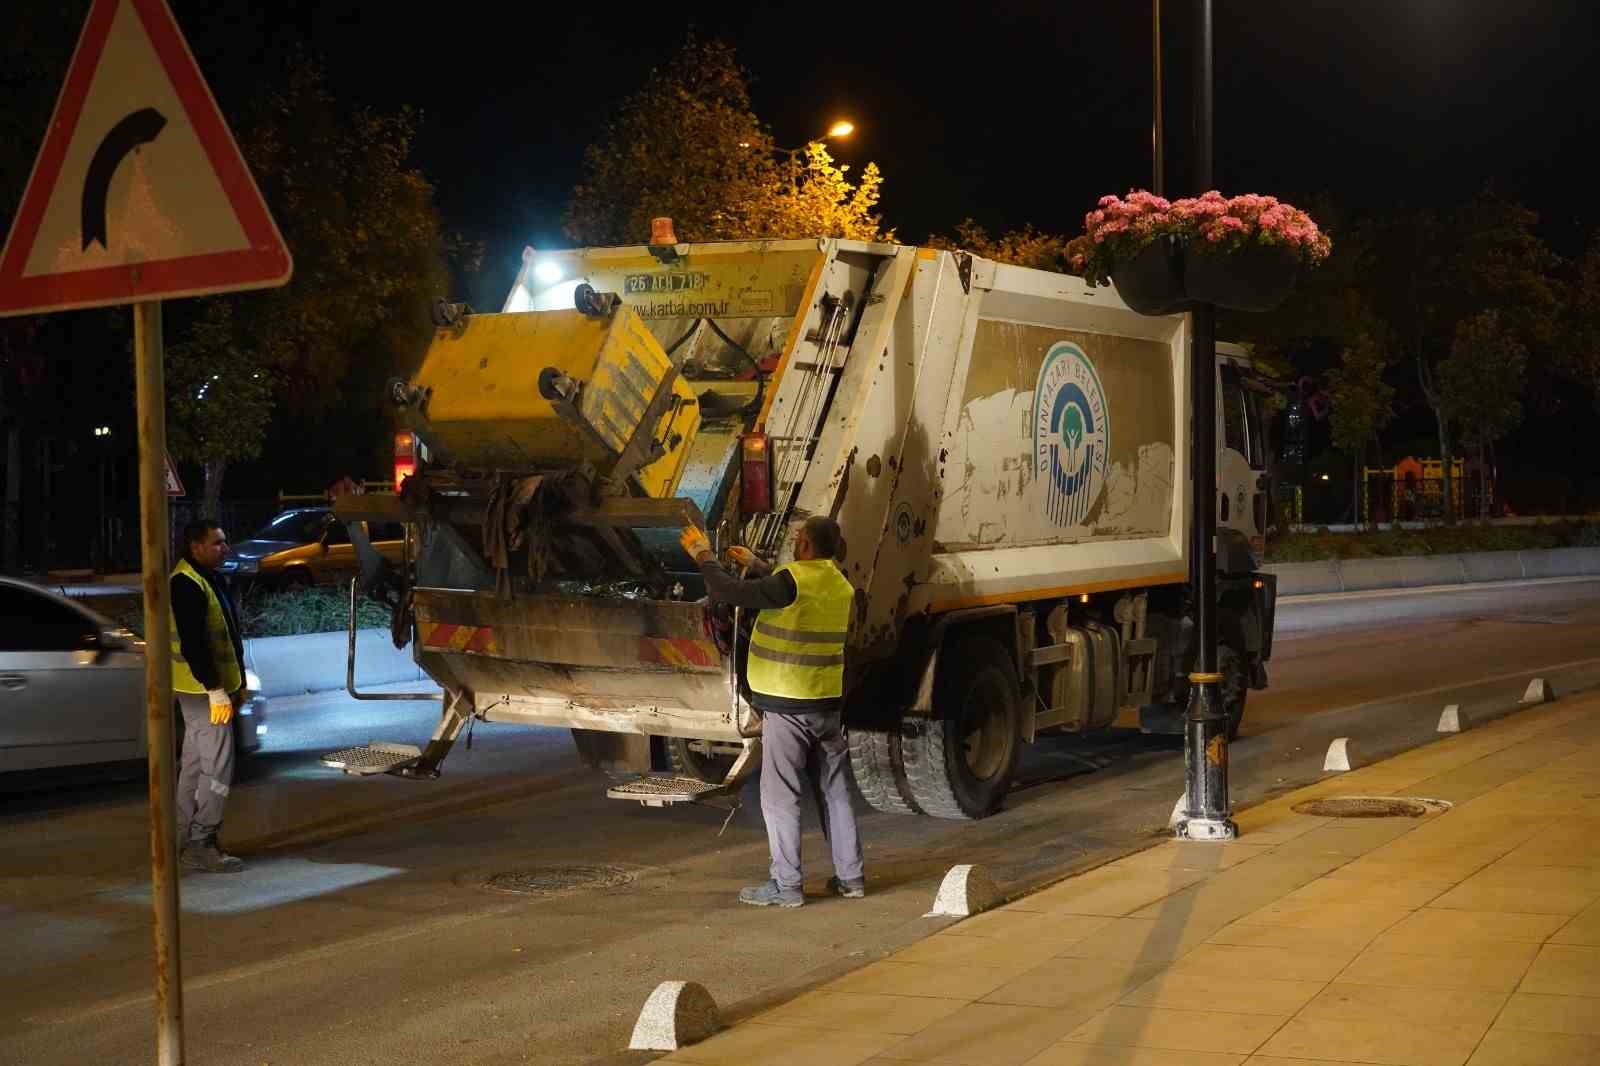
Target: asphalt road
(368, 928)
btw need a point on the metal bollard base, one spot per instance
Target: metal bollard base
(1209, 829)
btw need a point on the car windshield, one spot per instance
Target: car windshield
(300, 527)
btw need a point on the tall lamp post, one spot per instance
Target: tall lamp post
(1207, 812)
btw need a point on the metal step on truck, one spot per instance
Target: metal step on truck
(1006, 450)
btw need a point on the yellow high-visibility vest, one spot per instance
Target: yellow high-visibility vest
(798, 652)
(183, 679)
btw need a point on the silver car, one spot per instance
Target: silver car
(72, 685)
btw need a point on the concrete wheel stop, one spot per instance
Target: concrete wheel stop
(677, 1014)
(965, 891)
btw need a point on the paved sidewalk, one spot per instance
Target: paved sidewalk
(1470, 936)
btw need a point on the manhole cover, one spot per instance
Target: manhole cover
(549, 880)
(1370, 807)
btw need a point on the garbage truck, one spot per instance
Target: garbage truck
(1006, 450)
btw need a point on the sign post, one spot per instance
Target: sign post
(140, 194)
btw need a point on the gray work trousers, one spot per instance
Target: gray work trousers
(799, 751)
(206, 772)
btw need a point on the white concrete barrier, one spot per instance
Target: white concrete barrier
(1415, 571)
(315, 662)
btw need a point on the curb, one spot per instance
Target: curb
(1417, 571)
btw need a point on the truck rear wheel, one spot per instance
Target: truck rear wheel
(688, 762)
(959, 765)
(872, 765)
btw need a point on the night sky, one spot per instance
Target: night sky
(1022, 114)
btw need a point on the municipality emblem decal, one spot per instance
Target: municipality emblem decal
(1071, 433)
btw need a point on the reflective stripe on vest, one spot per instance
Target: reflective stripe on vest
(798, 652)
(217, 635)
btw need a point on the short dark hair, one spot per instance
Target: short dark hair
(825, 536)
(196, 532)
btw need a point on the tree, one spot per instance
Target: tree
(1436, 270)
(1579, 359)
(1480, 385)
(1363, 404)
(1027, 246)
(688, 145)
(369, 260)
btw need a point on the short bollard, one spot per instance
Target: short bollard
(1452, 720)
(677, 1014)
(965, 891)
(1539, 691)
(1341, 756)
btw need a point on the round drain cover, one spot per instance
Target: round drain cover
(549, 880)
(1370, 807)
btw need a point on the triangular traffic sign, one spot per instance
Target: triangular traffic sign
(139, 191)
(174, 486)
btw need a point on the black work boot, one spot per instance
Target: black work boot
(206, 855)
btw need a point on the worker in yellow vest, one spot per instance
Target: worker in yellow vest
(796, 679)
(208, 681)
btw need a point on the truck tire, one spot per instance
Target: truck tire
(686, 762)
(959, 764)
(872, 765)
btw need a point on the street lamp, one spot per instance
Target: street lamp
(836, 132)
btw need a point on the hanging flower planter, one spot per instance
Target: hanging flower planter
(1255, 277)
(1242, 253)
(1151, 280)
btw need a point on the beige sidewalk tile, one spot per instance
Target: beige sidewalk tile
(1494, 973)
(1273, 823)
(1111, 1055)
(989, 1034)
(1074, 982)
(861, 1012)
(1177, 1030)
(1578, 1015)
(1374, 1039)
(1002, 954)
(923, 979)
(1583, 930)
(1514, 1047)
(1431, 939)
(1273, 1060)
(1245, 995)
(1450, 926)
(1334, 944)
(1380, 893)
(1373, 867)
(1189, 855)
(1413, 1006)
(1560, 896)
(1564, 970)
(1009, 923)
(784, 1045)
(1143, 939)
(1113, 896)
(1355, 918)
(1277, 964)
(1549, 875)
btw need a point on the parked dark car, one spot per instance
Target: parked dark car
(307, 546)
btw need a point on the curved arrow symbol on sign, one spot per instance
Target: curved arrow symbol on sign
(139, 128)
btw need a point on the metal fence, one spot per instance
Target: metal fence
(1389, 499)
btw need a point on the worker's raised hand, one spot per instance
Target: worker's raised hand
(695, 543)
(221, 707)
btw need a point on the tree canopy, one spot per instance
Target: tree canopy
(689, 145)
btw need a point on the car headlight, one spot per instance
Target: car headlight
(247, 566)
(252, 681)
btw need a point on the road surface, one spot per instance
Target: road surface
(373, 925)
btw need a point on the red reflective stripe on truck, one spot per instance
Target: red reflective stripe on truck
(438, 634)
(677, 651)
(482, 640)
